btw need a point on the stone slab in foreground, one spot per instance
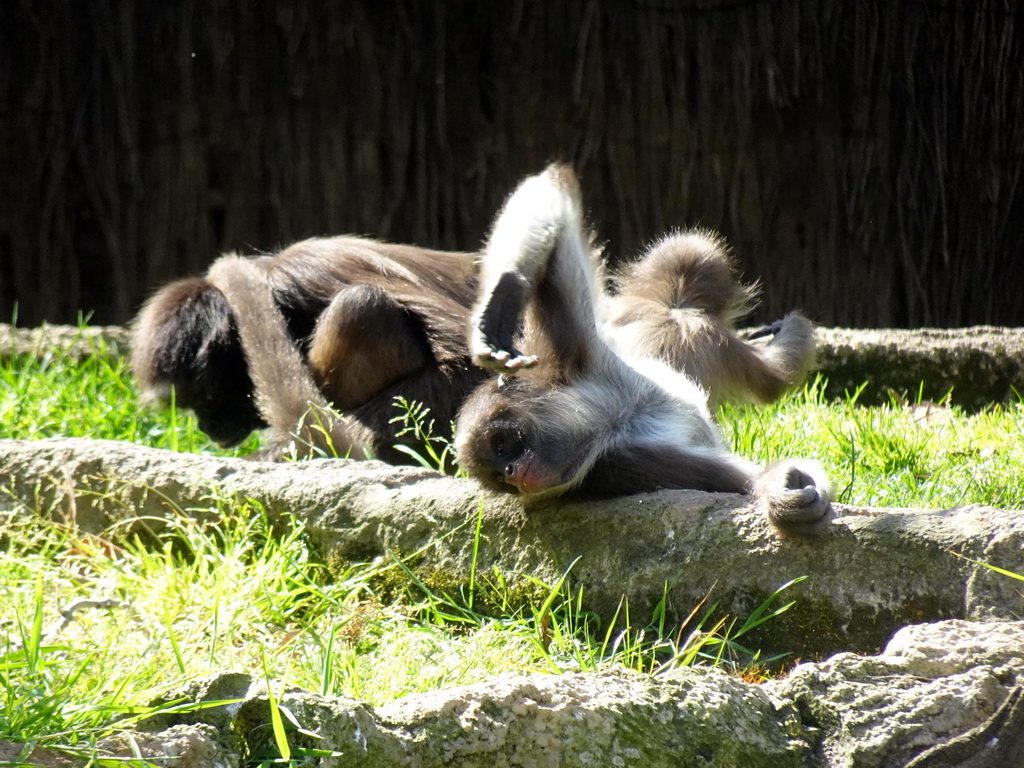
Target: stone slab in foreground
(944, 695)
(876, 570)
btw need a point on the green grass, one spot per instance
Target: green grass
(54, 395)
(904, 454)
(232, 597)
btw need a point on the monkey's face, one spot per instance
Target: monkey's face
(218, 390)
(508, 437)
(228, 418)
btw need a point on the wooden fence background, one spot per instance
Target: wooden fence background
(863, 157)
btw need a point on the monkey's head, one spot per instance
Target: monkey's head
(517, 436)
(185, 339)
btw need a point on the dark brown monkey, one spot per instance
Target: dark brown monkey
(594, 395)
(346, 322)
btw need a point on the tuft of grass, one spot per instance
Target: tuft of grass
(904, 454)
(417, 424)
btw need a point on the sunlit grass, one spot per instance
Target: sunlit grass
(904, 454)
(218, 592)
(56, 395)
(230, 595)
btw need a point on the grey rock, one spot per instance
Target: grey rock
(875, 571)
(68, 340)
(937, 696)
(931, 684)
(15, 754)
(179, 746)
(980, 365)
(619, 718)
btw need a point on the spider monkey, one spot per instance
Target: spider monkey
(317, 340)
(328, 325)
(601, 395)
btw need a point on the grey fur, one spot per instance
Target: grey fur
(602, 395)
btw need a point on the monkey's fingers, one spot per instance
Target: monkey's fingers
(504, 361)
(805, 511)
(771, 329)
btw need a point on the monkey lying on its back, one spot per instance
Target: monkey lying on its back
(593, 397)
(347, 324)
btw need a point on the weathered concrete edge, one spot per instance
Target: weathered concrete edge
(940, 694)
(874, 572)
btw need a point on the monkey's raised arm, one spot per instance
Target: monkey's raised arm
(538, 281)
(286, 395)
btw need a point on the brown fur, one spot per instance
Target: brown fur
(680, 303)
(363, 322)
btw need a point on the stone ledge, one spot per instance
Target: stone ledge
(944, 695)
(874, 572)
(980, 365)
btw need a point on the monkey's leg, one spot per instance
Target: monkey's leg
(364, 342)
(537, 270)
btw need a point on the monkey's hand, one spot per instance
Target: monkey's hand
(495, 324)
(796, 497)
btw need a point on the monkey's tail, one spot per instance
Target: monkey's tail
(690, 270)
(286, 395)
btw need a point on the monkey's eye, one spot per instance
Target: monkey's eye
(502, 443)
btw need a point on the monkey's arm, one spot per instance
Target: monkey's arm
(285, 392)
(537, 257)
(644, 468)
(796, 496)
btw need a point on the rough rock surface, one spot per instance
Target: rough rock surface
(981, 364)
(71, 340)
(873, 573)
(921, 698)
(940, 695)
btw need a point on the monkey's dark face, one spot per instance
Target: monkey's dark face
(227, 415)
(509, 438)
(214, 384)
